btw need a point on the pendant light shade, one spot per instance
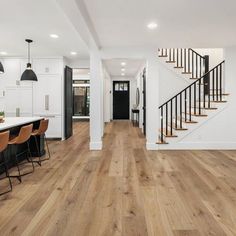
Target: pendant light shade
(28, 74)
(1, 68)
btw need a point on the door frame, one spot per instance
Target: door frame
(129, 90)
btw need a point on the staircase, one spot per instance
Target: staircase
(194, 101)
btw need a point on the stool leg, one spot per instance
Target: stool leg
(30, 155)
(17, 165)
(37, 147)
(49, 154)
(7, 173)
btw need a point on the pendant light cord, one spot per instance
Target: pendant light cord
(28, 52)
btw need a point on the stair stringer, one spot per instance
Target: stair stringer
(178, 142)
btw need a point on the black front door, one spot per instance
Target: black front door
(121, 100)
(68, 102)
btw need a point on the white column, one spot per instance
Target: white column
(96, 101)
(152, 101)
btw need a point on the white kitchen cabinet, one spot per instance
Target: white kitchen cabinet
(18, 97)
(54, 127)
(47, 97)
(48, 66)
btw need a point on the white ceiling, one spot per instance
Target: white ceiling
(185, 23)
(37, 19)
(131, 68)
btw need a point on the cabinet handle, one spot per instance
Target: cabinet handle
(48, 116)
(47, 102)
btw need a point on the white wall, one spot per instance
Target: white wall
(78, 63)
(216, 55)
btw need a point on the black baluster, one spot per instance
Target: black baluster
(170, 54)
(173, 54)
(196, 66)
(185, 61)
(185, 105)
(177, 57)
(209, 87)
(189, 60)
(180, 110)
(162, 124)
(220, 82)
(176, 113)
(171, 119)
(167, 119)
(192, 65)
(213, 84)
(190, 103)
(195, 98)
(217, 88)
(199, 97)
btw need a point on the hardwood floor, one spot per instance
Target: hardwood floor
(123, 190)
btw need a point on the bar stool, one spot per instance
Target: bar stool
(43, 126)
(4, 138)
(23, 137)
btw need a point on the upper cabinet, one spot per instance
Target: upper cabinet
(48, 66)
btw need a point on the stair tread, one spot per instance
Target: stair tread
(170, 61)
(168, 134)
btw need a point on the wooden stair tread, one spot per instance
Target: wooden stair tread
(197, 115)
(179, 67)
(170, 61)
(163, 56)
(168, 134)
(178, 127)
(219, 101)
(161, 142)
(186, 73)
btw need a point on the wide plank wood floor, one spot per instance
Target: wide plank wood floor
(123, 190)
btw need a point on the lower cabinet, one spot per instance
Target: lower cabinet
(54, 126)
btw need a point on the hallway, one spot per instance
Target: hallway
(123, 190)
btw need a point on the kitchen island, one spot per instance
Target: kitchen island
(13, 124)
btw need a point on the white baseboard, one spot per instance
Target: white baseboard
(199, 146)
(151, 146)
(95, 146)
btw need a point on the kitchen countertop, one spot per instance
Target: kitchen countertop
(11, 122)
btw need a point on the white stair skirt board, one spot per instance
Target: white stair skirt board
(152, 146)
(95, 146)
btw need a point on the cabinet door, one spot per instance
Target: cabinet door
(54, 127)
(48, 66)
(18, 98)
(47, 96)
(12, 71)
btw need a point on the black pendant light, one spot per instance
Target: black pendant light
(1, 68)
(29, 74)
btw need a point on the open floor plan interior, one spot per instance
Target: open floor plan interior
(117, 117)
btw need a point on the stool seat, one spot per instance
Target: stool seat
(12, 139)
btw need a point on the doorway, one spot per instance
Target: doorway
(121, 100)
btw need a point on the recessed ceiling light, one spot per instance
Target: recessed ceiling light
(3, 53)
(152, 25)
(123, 69)
(122, 74)
(73, 53)
(123, 63)
(54, 36)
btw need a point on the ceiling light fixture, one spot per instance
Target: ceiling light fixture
(3, 53)
(28, 74)
(123, 69)
(123, 63)
(73, 53)
(54, 36)
(122, 74)
(152, 25)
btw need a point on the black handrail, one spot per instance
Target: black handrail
(211, 81)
